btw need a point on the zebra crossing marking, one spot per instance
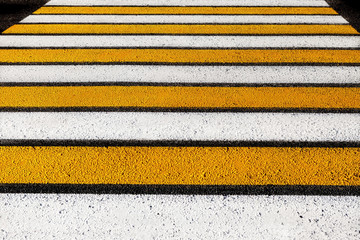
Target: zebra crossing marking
(181, 165)
(172, 75)
(190, 56)
(246, 98)
(162, 93)
(180, 126)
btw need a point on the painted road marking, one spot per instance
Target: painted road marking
(181, 165)
(183, 19)
(141, 41)
(110, 216)
(186, 10)
(179, 29)
(310, 3)
(181, 97)
(167, 74)
(195, 56)
(181, 126)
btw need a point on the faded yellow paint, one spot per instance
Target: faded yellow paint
(180, 165)
(186, 10)
(184, 97)
(178, 56)
(177, 29)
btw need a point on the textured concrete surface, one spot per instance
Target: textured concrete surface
(37, 216)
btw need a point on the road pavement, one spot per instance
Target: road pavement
(236, 100)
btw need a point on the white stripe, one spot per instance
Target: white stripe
(189, 3)
(180, 74)
(92, 216)
(180, 126)
(199, 19)
(182, 41)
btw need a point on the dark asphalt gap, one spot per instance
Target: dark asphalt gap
(13, 11)
(181, 109)
(174, 143)
(314, 190)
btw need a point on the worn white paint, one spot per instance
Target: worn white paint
(179, 74)
(202, 126)
(314, 3)
(78, 216)
(181, 19)
(104, 41)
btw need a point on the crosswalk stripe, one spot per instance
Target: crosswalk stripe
(184, 216)
(195, 56)
(212, 215)
(310, 3)
(186, 10)
(184, 19)
(141, 41)
(167, 74)
(181, 97)
(180, 126)
(183, 29)
(181, 165)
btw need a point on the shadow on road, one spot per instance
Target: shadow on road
(13, 11)
(349, 9)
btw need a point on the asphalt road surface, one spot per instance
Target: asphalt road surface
(179, 119)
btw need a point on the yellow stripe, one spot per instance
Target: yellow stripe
(181, 97)
(180, 165)
(178, 56)
(186, 10)
(177, 29)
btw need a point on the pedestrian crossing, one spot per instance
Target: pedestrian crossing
(181, 93)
